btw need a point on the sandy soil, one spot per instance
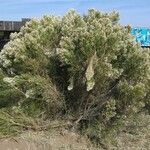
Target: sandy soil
(20, 144)
(51, 141)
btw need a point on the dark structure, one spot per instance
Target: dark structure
(8, 27)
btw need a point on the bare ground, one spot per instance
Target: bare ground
(62, 140)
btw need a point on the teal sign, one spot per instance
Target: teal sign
(142, 35)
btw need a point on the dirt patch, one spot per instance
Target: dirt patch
(62, 140)
(21, 144)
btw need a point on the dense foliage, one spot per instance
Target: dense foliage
(86, 67)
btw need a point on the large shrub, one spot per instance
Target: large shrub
(93, 61)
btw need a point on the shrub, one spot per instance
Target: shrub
(8, 95)
(93, 61)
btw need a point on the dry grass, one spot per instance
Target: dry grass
(55, 135)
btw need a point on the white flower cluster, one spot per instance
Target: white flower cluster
(12, 52)
(75, 39)
(9, 80)
(29, 93)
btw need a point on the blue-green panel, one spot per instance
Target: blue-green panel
(142, 35)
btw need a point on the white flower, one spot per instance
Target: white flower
(29, 93)
(9, 80)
